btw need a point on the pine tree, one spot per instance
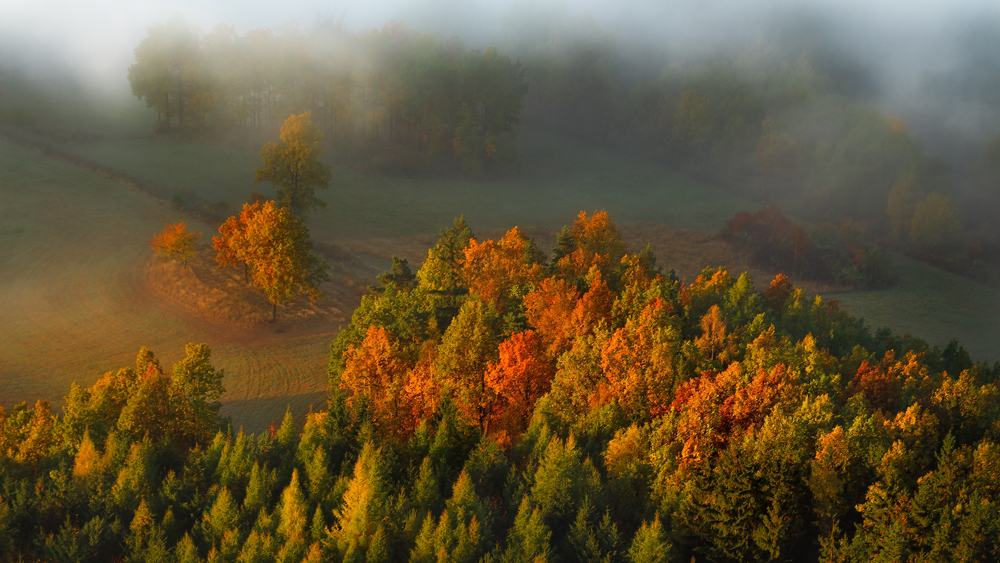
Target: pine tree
(366, 502)
(650, 544)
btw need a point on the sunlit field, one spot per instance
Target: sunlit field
(77, 303)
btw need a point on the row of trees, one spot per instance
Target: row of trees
(775, 120)
(410, 97)
(497, 406)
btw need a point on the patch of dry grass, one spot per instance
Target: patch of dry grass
(207, 290)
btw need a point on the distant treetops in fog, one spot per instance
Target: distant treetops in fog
(498, 406)
(408, 97)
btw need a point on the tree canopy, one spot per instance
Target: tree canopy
(275, 247)
(294, 165)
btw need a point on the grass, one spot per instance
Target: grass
(934, 305)
(556, 180)
(73, 280)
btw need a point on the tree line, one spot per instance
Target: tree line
(406, 97)
(778, 120)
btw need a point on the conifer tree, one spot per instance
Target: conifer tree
(650, 544)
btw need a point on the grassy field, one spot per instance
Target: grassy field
(556, 180)
(74, 258)
(934, 305)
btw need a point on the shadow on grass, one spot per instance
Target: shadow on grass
(256, 415)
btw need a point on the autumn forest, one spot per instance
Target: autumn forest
(671, 374)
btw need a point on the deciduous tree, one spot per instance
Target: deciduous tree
(294, 165)
(175, 242)
(275, 245)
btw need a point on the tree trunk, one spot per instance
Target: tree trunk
(274, 312)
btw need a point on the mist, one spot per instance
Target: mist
(931, 63)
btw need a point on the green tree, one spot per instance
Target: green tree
(201, 384)
(650, 544)
(903, 199)
(167, 69)
(936, 225)
(366, 503)
(464, 355)
(294, 165)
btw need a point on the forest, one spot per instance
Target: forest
(411, 100)
(504, 405)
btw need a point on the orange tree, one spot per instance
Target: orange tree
(230, 245)
(174, 241)
(274, 244)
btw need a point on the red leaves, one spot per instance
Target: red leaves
(377, 371)
(550, 310)
(715, 408)
(522, 374)
(779, 292)
(880, 387)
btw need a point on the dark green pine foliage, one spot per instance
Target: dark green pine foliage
(441, 274)
(400, 276)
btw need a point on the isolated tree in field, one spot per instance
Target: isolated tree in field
(294, 165)
(281, 257)
(175, 242)
(274, 245)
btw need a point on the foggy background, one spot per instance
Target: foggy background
(935, 64)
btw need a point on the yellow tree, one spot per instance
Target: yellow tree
(275, 245)
(294, 165)
(174, 241)
(280, 255)
(594, 241)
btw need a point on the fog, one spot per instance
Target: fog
(934, 63)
